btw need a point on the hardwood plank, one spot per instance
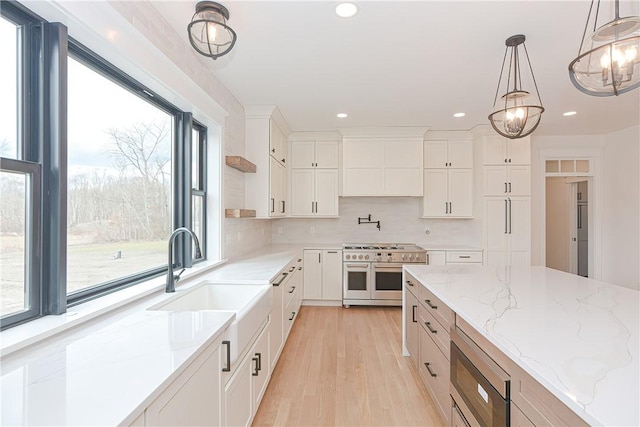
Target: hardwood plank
(344, 367)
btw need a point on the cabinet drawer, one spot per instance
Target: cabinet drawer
(412, 285)
(434, 371)
(464, 257)
(439, 310)
(289, 316)
(438, 333)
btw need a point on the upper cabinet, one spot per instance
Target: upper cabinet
(504, 151)
(315, 154)
(266, 146)
(451, 153)
(383, 165)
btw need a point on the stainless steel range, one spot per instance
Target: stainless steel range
(373, 272)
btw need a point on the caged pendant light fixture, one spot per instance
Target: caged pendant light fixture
(208, 31)
(517, 113)
(608, 61)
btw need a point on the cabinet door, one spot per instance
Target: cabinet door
(435, 154)
(275, 326)
(460, 153)
(494, 150)
(332, 275)
(404, 153)
(238, 399)
(277, 143)
(495, 230)
(411, 323)
(260, 353)
(302, 192)
(363, 182)
(312, 274)
(519, 151)
(460, 192)
(275, 187)
(302, 154)
(326, 192)
(519, 180)
(197, 388)
(495, 181)
(363, 154)
(403, 182)
(327, 154)
(436, 258)
(520, 231)
(435, 193)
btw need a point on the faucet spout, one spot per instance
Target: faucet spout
(171, 278)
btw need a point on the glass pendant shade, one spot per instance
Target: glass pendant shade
(517, 112)
(209, 33)
(608, 61)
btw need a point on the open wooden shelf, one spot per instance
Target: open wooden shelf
(240, 163)
(239, 213)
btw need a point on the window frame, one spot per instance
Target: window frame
(42, 143)
(201, 190)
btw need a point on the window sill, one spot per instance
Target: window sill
(34, 331)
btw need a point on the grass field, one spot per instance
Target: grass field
(88, 264)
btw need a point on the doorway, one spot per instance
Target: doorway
(567, 224)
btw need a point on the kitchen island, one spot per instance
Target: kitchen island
(577, 337)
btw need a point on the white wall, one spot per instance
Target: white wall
(620, 219)
(135, 38)
(399, 219)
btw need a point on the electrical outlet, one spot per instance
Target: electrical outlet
(427, 231)
(279, 230)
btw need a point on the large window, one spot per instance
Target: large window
(96, 170)
(119, 181)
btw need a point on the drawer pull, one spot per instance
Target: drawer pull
(409, 283)
(413, 313)
(293, 288)
(464, 256)
(255, 370)
(259, 356)
(284, 276)
(428, 301)
(433, 374)
(293, 314)
(228, 368)
(428, 325)
(291, 269)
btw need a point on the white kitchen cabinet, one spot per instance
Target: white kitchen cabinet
(383, 166)
(507, 231)
(266, 146)
(314, 192)
(507, 180)
(450, 153)
(323, 275)
(315, 154)
(245, 384)
(436, 258)
(505, 151)
(448, 193)
(192, 399)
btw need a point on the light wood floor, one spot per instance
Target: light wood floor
(344, 367)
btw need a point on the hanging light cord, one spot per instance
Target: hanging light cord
(586, 25)
(535, 84)
(500, 79)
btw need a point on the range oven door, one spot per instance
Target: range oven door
(357, 280)
(387, 281)
(480, 389)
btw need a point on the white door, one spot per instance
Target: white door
(495, 181)
(302, 192)
(302, 154)
(363, 182)
(495, 229)
(332, 275)
(275, 186)
(327, 154)
(435, 193)
(494, 150)
(238, 396)
(277, 143)
(519, 182)
(326, 192)
(520, 230)
(363, 154)
(460, 153)
(261, 366)
(460, 190)
(435, 154)
(519, 151)
(403, 182)
(312, 274)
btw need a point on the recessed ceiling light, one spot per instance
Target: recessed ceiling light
(346, 10)
(569, 113)
(459, 115)
(342, 115)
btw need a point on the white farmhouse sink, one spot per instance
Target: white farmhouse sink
(251, 304)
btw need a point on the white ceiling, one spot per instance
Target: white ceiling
(405, 63)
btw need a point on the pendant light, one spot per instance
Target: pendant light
(608, 61)
(208, 31)
(518, 111)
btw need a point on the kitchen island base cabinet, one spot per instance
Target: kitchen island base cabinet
(322, 277)
(412, 342)
(193, 399)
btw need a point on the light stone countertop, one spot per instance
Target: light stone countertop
(578, 337)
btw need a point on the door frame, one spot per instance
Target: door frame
(594, 155)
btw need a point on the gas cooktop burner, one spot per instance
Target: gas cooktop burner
(374, 247)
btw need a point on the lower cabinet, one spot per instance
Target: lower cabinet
(323, 275)
(411, 319)
(193, 399)
(434, 371)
